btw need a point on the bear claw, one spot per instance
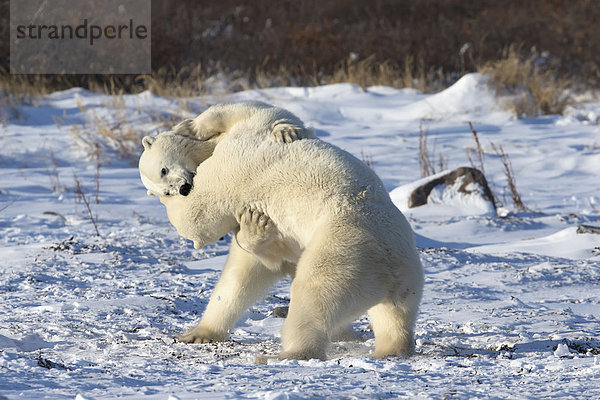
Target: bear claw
(287, 133)
(200, 335)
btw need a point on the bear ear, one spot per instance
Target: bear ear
(185, 128)
(147, 142)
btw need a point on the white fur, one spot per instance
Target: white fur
(337, 232)
(179, 155)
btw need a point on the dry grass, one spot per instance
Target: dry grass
(511, 183)
(55, 184)
(168, 82)
(367, 159)
(510, 177)
(114, 129)
(6, 206)
(534, 90)
(313, 39)
(99, 139)
(478, 151)
(476, 158)
(370, 72)
(20, 89)
(532, 81)
(80, 197)
(192, 82)
(427, 161)
(312, 42)
(97, 174)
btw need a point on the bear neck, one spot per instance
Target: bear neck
(196, 150)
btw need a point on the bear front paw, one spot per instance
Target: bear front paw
(200, 334)
(254, 221)
(257, 230)
(287, 133)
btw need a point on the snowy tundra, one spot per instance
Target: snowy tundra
(510, 305)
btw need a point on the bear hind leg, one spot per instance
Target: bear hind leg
(305, 331)
(321, 309)
(393, 324)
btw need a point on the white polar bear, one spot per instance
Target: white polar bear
(309, 209)
(173, 172)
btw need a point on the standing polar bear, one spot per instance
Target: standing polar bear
(301, 207)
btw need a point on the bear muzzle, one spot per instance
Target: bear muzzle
(185, 189)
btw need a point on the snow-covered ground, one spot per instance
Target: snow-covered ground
(511, 304)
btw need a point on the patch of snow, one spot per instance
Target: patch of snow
(562, 350)
(566, 243)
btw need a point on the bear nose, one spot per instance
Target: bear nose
(185, 189)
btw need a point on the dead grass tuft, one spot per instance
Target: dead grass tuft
(367, 159)
(533, 82)
(510, 177)
(99, 139)
(370, 72)
(20, 89)
(478, 151)
(427, 161)
(508, 170)
(80, 197)
(55, 184)
(182, 83)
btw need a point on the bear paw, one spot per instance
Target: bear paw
(256, 229)
(201, 334)
(287, 133)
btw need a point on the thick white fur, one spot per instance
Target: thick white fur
(220, 119)
(179, 152)
(333, 227)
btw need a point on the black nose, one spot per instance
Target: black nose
(185, 189)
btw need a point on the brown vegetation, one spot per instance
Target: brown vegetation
(402, 43)
(510, 177)
(508, 170)
(533, 81)
(80, 197)
(427, 161)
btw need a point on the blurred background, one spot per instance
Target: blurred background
(426, 44)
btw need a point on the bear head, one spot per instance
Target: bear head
(169, 161)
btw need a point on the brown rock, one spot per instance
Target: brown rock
(588, 229)
(471, 175)
(280, 312)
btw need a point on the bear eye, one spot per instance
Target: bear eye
(163, 172)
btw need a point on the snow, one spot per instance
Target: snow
(511, 304)
(566, 243)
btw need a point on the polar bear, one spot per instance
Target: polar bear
(305, 208)
(174, 170)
